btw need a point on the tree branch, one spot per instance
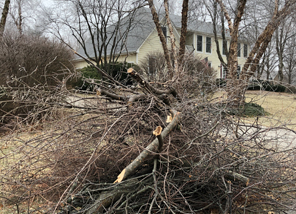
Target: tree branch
(152, 147)
(148, 87)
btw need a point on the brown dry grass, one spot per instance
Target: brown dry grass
(280, 106)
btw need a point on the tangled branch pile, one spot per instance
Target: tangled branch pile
(102, 155)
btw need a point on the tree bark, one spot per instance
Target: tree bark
(106, 198)
(162, 38)
(264, 39)
(234, 90)
(183, 31)
(236, 87)
(4, 17)
(214, 19)
(172, 37)
(111, 95)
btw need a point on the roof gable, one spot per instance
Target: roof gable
(141, 28)
(142, 25)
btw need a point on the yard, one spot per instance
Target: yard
(280, 106)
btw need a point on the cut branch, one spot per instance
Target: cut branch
(152, 147)
(236, 176)
(107, 197)
(135, 98)
(157, 133)
(110, 94)
(150, 89)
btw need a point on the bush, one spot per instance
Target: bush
(249, 110)
(32, 60)
(90, 75)
(256, 85)
(87, 73)
(266, 86)
(279, 88)
(198, 80)
(31, 69)
(253, 110)
(118, 71)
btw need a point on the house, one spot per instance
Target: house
(143, 39)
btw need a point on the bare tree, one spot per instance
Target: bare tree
(100, 28)
(290, 62)
(18, 16)
(24, 15)
(218, 26)
(284, 33)
(162, 38)
(175, 68)
(236, 87)
(266, 67)
(4, 16)
(184, 21)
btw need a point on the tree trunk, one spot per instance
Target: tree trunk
(214, 19)
(281, 68)
(4, 16)
(172, 37)
(162, 39)
(235, 86)
(183, 30)
(19, 22)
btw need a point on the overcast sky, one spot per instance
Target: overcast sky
(48, 2)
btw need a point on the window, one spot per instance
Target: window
(199, 43)
(209, 64)
(238, 70)
(164, 31)
(208, 44)
(224, 48)
(238, 50)
(245, 50)
(223, 72)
